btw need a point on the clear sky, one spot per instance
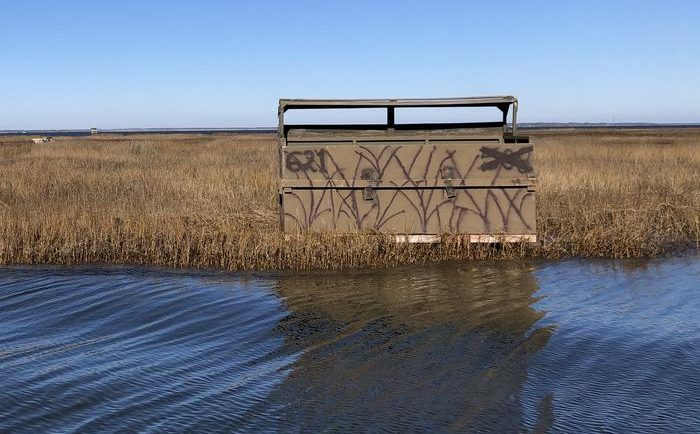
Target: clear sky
(206, 63)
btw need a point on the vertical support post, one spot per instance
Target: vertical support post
(281, 143)
(505, 119)
(281, 139)
(390, 117)
(515, 117)
(280, 120)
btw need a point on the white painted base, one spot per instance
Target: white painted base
(418, 238)
(429, 238)
(474, 239)
(492, 239)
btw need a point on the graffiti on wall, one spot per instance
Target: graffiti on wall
(416, 189)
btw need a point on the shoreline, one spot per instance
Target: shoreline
(391, 256)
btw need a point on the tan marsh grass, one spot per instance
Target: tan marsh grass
(211, 201)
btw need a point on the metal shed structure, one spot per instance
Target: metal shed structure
(411, 179)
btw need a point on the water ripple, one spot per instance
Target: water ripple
(625, 356)
(129, 350)
(592, 346)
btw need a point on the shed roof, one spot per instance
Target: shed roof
(480, 101)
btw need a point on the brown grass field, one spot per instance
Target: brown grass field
(211, 201)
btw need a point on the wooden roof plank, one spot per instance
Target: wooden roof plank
(481, 101)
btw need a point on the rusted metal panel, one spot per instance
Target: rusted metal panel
(467, 179)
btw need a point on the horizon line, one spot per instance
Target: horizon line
(274, 128)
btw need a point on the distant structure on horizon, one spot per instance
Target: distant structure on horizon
(93, 131)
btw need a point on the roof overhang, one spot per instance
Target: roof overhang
(502, 102)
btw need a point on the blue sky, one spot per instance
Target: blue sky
(124, 63)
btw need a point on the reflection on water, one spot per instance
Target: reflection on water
(485, 346)
(426, 349)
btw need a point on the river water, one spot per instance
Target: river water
(572, 346)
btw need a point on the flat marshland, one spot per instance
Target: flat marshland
(211, 201)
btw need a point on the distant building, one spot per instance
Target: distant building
(93, 130)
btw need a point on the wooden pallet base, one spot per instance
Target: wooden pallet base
(474, 239)
(432, 239)
(493, 239)
(418, 238)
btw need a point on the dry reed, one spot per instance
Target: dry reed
(210, 201)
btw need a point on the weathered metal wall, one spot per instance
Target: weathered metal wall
(469, 187)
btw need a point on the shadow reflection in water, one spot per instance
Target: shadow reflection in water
(444, 347)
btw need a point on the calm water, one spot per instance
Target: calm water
(504, 347)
